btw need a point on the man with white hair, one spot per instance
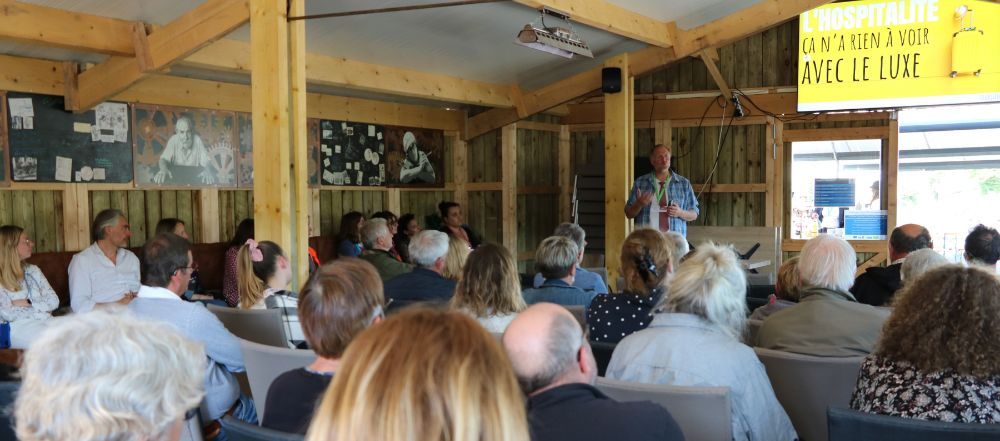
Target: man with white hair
(417, 167)
(428, 250)
(919, 262)
(556, 369)
(184, 148)
(585, 280)
(556, 258)
(828, 321)
(377, 239)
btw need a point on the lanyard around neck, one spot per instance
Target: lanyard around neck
(663, 188)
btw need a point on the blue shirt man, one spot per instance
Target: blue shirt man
(556, 258)
(585, 280)
(662, 200)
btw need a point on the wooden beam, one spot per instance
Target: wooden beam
(892, 173)
(618, 126)
(565, 178)
(508, 196)
(876, 259)
(460, 170)
(837, 134)
(772, 165)
(484, 186)
(860, 246)
(542, 126)
(32, 75)
(538, 189)
(208, 206)
(725, 30)
(709, 56)
(234, 56)
(612, 18)
(301, 196)
(731, 188)
(56, 27)
(270, 95)
(685, 109)
(167, 44)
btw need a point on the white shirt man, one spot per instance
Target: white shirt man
(183, 148)
(105, 272)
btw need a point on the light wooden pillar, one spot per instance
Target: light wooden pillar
(619, 126)
(892, 171)
(76, 217)
(460, 169)
(774, 174)
(508, 196)
(565, 176)
(301, 194)
(208, 206)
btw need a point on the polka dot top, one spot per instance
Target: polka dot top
(611, 317)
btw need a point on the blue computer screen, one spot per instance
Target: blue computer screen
(834, 193)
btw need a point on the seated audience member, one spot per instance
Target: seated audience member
(342, 299)
(105, 272)
(168, 262)
(264, 275)
(104, 376)
(349, 236)
(695, 341)
(585, 280)
(982, 247)
(26, 298)
(490, 288)
(458, 253)
(938, 358)
(428, 250)
(230, 284)
(786, 290)
(827, 321)
(556, 258)
(645, 263)
(172, 225)
(408, 227)
(556, 370)
(681, 247)
(378, 243)
(877, 284)
(392, 223)
(920, 262)
(453, 224)
(422, 374)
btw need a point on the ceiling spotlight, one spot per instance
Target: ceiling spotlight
(554, 40)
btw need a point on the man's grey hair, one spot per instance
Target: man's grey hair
(710, 285)
(919, 262)
(556, 256)
(681, 247)
(572, 231)
(827, 262)
(187, 120)
(373, 229)
(427, 247)
(562, 344)
(106, 218)
(107, 376)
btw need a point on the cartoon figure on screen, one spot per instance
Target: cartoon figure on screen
(185, 150)
(417, 167)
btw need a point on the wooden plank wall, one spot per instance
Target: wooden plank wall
(335, 203)
(538, 209)
(39, 212)
(144, 208)
(484, 213)
(234, 206)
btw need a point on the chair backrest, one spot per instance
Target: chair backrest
(703, 413)
(237, 430)
(806, 385)
(753, 326)
(262, 326)
(846, 424)
(602, 354)
(601, 271)
(8, 391)
(264, 363)
(579, 313)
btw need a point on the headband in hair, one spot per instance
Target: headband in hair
(645, 265)
(255, 254)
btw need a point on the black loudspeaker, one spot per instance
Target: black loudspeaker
(611, 79)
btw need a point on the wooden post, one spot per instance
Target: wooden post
(508, 193)
(618, 128)
(892, 170)
(565, 176)
(269, 81)
(315, 226)
(393, 201)
(76, 217)
(460, 172)
(775, 170)
(299, 180)
(208, 206)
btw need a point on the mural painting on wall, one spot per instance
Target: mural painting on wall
(414, 157)
(352, 153)
(184, 147)
(245, 130)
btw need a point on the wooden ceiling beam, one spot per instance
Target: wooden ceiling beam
(725, 30)
(65, 29)
(612, 18)
(710, 56)
(164, 46)
(234, 56)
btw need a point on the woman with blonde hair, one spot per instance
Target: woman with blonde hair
(645, 264)
(263, 275)
(423, 375)
(26, 298)
(490, 288)
(454, 261)
(938, 357)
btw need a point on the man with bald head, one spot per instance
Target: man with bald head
(878, 284)
(556, 369)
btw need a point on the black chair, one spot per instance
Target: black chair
(602, 354)
(8, 391)
(851, 425)
(237, 430)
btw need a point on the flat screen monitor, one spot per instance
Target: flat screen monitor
(834, 193)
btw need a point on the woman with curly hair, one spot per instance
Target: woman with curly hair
(490, 288)
(938, 358)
